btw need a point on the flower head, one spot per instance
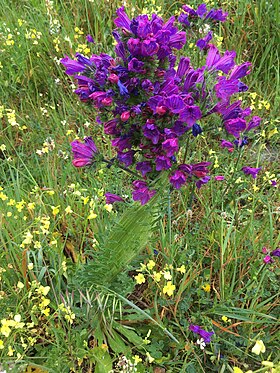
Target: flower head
(259, 347)
(83, 153)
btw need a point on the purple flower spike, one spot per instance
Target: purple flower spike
(112, 198)
(83, 153)
(251, 171)
(203, 333)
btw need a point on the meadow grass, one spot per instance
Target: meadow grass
(68, 259)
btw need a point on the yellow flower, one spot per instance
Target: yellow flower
(206, 288)
(68, 210)
(46, 311)
(224, 318)
(169, 288)
(237, 370)
(181, 269)
(1, 344)
(10, 351)
(167, 275)
(157, 276)
(151, 264)
(259, 347)
(150, 358)
(137, 359)
(268, 364)
(108, 207)
(20, 285)
(92, 215)
(30, 266)
(140, 278)
(55, 210)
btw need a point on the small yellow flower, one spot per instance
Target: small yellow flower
(137, 359)
(151, 264)
(149, 357)
(268, 364)
(206, 288)
(55, 210)
(224, 318)
(20, 285)
(68, 210)
(46, 311)
(30, 266)
(92, 215)
(108, 207)
(259, 347)
(167, 275)
(237, 370)
(1, 344)
(10, 351)
(140, 279)
(181, 269)
(157, 276)
(169, 288)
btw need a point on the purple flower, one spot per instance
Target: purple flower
(275, 252)
(203, 333)
(90, 39)
(196, 130)
(219, 178)
(251, 171)
(226, 88)
(126, 158)
(136, 66)
(141, 192)
(144, 167)
(174, 103)
(217, 15)
(202, 181)
(83, 153)
(151, 131)
(203, 43)
(177, 179)
(190, 114)
(149, 47)
(72, 66)
(267, 259)
(227, 144)
(254, 122)
(183, 66)
(112, 198)
(235, 126)
(162, 163)
(239, 71)
(170, 146)
(122, 20)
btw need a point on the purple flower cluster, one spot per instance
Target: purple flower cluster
(150, 100)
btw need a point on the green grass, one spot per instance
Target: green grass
(217, 232)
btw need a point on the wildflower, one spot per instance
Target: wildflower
(237, 370)
(112, 198)
(83, 153)
(20, 285)
(275, 252)
(203, 333)
(259, 347)
(137, 359)
(268, 364)
(108, 207)
(224, 318)
(167, 275)
(181, 269)
(206, 288)
(1, 344)
(149, 357)
(201, 343)
(251, 171)
(90, 39)
(157, 276)
(169, 288)
(267, 259)
(68, 210)
(151, 264)
(140, 278)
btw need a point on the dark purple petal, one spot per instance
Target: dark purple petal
(112, 198)
(122, 20)
(83, 153)
(170, 146)
(144, 167)
(190, 114)
(177, 179)
(235, 126)
(276, 252)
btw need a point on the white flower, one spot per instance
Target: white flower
(201, 343)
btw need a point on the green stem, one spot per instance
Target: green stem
(111, 163)
(233, 174)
